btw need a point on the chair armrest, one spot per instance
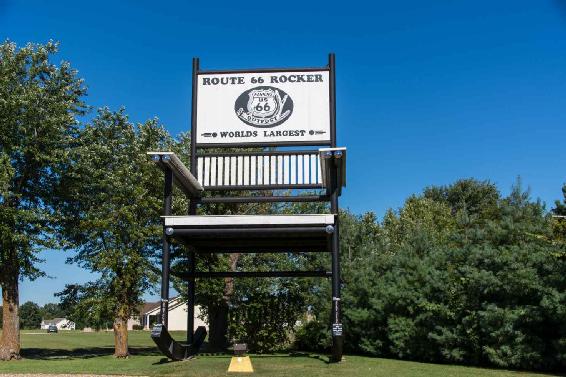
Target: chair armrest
(333, 160)
(183, 177)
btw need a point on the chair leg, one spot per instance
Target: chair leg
(164, 307)
(165, 263)
(337, 334)
(191, 286)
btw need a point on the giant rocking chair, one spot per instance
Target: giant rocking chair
(264, 171)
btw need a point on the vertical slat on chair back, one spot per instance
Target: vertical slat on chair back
(261, 170)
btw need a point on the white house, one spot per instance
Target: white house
(61, 323)
(149, 315)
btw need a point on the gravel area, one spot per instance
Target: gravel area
(62, 375)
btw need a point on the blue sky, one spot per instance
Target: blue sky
(428, 92)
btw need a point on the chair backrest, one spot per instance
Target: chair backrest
(260, 109)
(260, 170)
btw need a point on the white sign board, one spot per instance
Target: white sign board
(263, 108)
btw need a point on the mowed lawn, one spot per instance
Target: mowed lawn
(77, 352)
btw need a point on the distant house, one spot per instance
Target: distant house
(61, 323)
(149, 315)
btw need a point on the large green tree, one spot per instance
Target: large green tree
(30, 315)
(112, 207)
(459, 274)
(39, 103)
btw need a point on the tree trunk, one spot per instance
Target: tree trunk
(121, 338)
(218, 327)
(10, 341)
(218, 319)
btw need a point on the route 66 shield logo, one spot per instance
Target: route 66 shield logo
(263, 106)
(262, 103)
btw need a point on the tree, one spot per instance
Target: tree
(111, 204)
(51, 311)
(475, 198)
(559, 220)
(416, 215)
(39, 102)
(476, 278)
(263, 312)
(30, 316)
(87, 305)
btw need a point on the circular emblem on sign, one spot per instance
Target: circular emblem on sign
(263, 107)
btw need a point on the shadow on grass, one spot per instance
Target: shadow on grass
(228, 355)
(324, 359)
(82, 353)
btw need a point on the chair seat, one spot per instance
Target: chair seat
(248, 220)
(252, 233)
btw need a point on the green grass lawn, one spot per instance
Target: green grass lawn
(76, 352)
